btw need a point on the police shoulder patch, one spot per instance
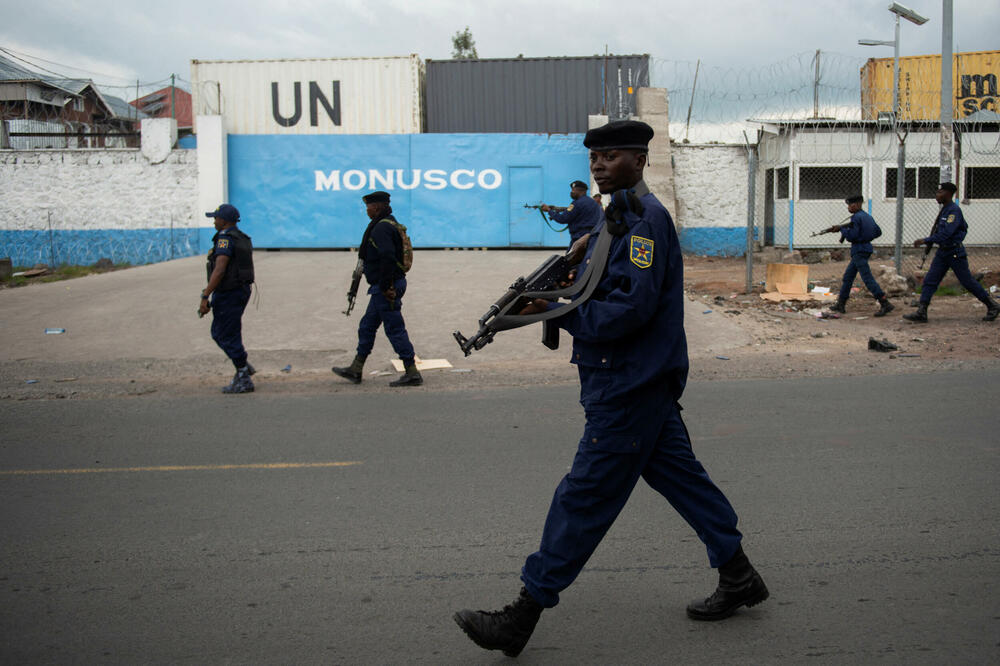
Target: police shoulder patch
(951, 218)
(641, 252)
(569, 208)
(222, 243)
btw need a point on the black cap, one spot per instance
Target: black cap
(226, 212)
(578, 185)
(949, 186)
(619, 134)
(857, 198)
(376, 197)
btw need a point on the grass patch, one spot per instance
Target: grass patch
(64, 272)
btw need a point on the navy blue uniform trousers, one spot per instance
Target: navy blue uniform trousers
(645, 437)
(943, 260)
(227, 322)
(381, 312)
(859, 265)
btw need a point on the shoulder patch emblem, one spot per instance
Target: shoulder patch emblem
(222, 243)
(951, 218)
(569, 208)
(641, 252)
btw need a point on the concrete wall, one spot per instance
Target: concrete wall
(710, 183)
(77, 206)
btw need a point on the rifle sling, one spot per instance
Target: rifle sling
(587, 284)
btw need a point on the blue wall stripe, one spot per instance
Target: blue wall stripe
(84, 247)
(714, 241)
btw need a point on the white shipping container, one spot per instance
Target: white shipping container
(311, 96)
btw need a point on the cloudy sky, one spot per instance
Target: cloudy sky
(117, 43)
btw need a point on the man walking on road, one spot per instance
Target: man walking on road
(230, 274)
(629, 347)
(381, 251)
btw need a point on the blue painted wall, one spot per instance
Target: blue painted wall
(84, 247)
(450, 190)
(714, 241)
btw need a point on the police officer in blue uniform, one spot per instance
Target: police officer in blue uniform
(630, 351)
(948, 233)
(230, 274)
(381, 250)
(581, 216)
(860, 231)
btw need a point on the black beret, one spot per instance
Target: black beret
(619, 134)
(376, 197)
(949, 186)
(578, 184)
(857, 198)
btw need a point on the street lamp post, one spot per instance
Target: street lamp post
(910, 15)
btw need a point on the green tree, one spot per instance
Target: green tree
(464, 46)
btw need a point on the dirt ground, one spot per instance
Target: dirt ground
(789, 339)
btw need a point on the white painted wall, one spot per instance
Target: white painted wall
(91, 189)
(710, 183)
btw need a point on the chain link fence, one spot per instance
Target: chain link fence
(805, 171)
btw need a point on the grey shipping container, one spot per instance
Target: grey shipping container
(527, 95)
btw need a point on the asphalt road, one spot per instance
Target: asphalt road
(133, 532)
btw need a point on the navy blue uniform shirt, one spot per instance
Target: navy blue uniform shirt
(860, 232)
(951, 227)
(380, 250)
(630, 334)
(581, 216)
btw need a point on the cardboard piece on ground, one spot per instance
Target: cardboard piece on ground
(790, 282)
(787, 274)
(429, 364)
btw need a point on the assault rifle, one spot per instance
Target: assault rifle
(541, 212)
(352, 293)
(928, 246)
(832, 229)
(545, 278)
(558, 209)
(544, 282)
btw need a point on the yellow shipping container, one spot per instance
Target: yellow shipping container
(974, 79)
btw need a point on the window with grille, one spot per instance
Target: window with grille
(909, 185)
(982, 182)
(921, 182)
(782, 182)
(928, 179)
(829, 182)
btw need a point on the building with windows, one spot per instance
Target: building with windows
(808, 167)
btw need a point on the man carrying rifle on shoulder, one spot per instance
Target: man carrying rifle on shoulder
(860, 231)
(630, 350)
(948, 233)
(381, 254)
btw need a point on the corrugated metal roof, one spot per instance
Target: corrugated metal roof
(548, 95)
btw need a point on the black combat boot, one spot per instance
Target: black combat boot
(920, 315)
(411, 376)
(885, 307)
(840, 306)
(508, 629)
(992, 310)
(351, 372)
(241, 382)
(739, 585)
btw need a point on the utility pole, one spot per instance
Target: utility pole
(947, 92)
